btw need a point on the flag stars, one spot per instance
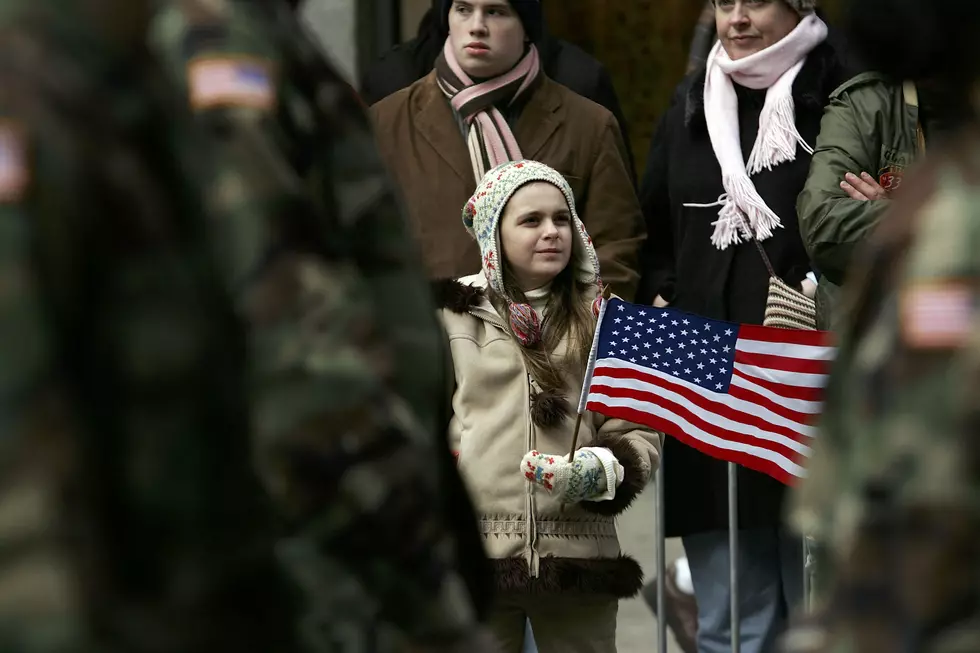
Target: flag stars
(700, 366)
(684, 333)
(682, 346)
(698, 381)
(714, 361)
(686, 322)
(710, 376)
(719, 386)
(674, 322)
(678, 361)
(672, 335)
(704, 352)
(669, 350)
(691, 355)
(647, 345)
(728, 332)
(632, 360)
(636, 348)
(621, 308)
(662, 326)
(726, 349)
(660, 341)
(717, 338)
(687, 371)
(618, 320)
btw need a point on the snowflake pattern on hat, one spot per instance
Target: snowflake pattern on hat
(482, 213)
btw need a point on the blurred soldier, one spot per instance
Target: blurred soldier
(130, 519)
(299, 167)
(894, 484)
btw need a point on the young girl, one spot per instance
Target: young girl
(520, 334)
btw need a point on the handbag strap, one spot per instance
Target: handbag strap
(758, 246)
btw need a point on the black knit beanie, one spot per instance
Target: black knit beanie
(528, 10)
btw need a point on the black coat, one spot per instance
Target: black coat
(681, 264)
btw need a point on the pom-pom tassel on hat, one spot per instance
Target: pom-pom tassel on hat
(597, 302)
(525, 324)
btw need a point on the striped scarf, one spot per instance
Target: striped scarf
(489, 137)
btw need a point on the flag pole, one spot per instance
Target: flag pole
(661, 560)
(587, 381)
(733, 554)
(806, 576)
(589, 371)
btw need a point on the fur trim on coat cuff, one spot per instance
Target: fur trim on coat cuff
(455, 296)
(634, 479)
(620, 577)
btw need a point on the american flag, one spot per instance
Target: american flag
(745, 394)
(230, 82)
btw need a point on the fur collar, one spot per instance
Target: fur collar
(820, 75)
(456, 296)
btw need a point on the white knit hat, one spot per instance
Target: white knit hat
(481, 217)
(802, 7)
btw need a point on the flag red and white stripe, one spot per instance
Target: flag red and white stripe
(751, 395)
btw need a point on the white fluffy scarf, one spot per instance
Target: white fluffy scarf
(774, 68)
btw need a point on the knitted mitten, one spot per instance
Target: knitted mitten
(580, 480)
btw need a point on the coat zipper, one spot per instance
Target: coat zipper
(531, 556)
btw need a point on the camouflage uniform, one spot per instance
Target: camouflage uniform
(298, 173)
(130, 519)
(894, 487)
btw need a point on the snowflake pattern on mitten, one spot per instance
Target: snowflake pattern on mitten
(581, 480)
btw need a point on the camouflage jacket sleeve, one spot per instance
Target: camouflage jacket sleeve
(120, 369)
(33, 582)
(345, 346)
(894, 482)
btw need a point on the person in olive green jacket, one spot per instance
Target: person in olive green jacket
(870, 134)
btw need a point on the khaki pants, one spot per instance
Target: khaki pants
(561, 624)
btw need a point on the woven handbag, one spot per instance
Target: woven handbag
(786, 307)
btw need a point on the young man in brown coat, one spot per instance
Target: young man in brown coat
(486, 102)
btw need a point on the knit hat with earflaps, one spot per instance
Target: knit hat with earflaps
(481, 217)
(802, 7)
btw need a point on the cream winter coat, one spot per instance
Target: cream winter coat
(535, 547)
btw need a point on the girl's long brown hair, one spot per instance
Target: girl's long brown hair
(568, 317)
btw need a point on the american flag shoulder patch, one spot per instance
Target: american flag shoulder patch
(14, 175)
(230, 81)
(938, 315)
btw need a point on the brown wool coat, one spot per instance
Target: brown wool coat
(423, 147)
